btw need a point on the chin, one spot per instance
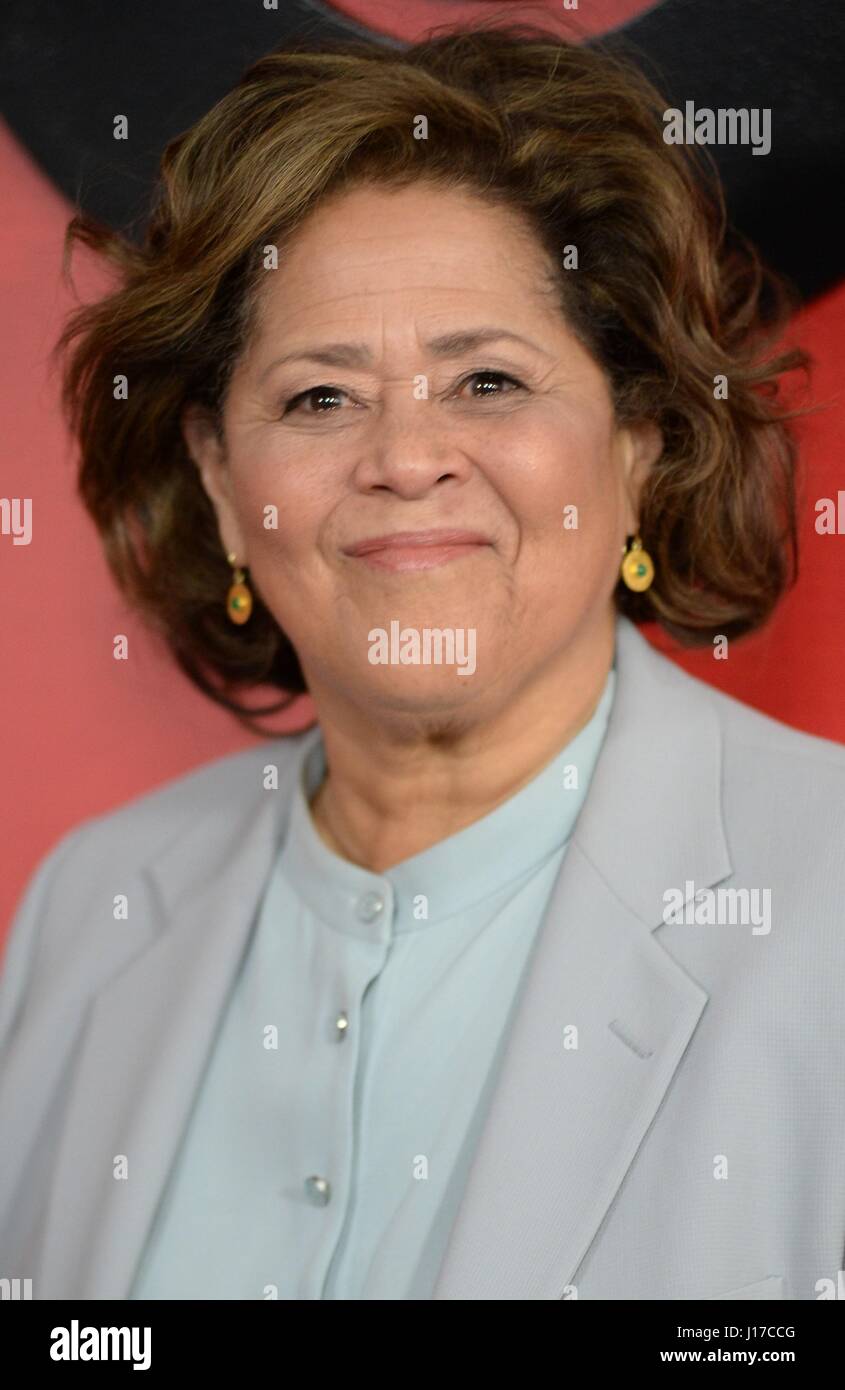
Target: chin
(436, 702)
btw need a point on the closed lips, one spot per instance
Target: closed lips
(416, 539)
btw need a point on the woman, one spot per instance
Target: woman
(437, 376)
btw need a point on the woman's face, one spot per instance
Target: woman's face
(411, 373)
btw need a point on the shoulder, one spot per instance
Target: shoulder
(772, 741)
(777, 782)
(222, 789)
(206, 806)
(777, 750)
(742, 726)
(207, 799)
(777, 792)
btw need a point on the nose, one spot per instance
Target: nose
(409, 447)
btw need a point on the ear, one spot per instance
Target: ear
(642, 445)
(207, 448)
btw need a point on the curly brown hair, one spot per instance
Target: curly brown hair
(667, 297)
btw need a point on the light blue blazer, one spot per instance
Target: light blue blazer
(669, 1118)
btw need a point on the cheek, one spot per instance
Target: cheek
(280, 507)
(564, 496)
(559, 479)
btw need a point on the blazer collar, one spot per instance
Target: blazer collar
(653, 818)
(563, 1125)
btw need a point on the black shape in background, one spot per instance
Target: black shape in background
(788, 55)
(66, 69)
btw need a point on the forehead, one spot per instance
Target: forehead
(395, 246)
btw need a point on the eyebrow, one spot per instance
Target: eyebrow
(359, 355)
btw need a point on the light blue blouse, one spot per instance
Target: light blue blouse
(330, 1139)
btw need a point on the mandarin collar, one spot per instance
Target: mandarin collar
(483, 860)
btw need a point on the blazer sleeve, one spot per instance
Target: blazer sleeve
(40, 899)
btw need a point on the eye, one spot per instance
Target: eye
(327, 400)
(316, 396)
(490, 382)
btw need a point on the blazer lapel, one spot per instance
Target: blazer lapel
(565, 1122)
(147, 1039)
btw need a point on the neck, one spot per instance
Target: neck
(393, 790)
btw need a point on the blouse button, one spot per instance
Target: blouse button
(318, 1191)
(341, 1024)
(370, 906)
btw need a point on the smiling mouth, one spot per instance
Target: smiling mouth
(416, 550)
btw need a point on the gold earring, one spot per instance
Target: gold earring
(637, 568)
(239, 597)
